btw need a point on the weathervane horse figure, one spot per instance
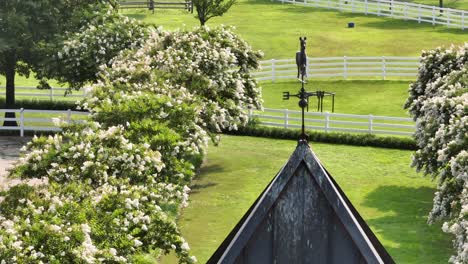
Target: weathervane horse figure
(301, 59)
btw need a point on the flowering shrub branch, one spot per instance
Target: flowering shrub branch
(438, 102)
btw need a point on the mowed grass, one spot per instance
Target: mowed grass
(391, 196)
(361, 97)
(275, 28)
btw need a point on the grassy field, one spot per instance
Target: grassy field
(274, 28)
(391, 197)
(353, 96)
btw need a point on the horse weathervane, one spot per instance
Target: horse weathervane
(303, 95)
(301, 61)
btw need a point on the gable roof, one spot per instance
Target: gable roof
(302, 215)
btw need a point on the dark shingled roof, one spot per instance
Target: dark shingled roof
(302, 216)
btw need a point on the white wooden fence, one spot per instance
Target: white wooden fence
(328, 122)
(408, 11)
(34, 120)
(53, 93)
(381, 67)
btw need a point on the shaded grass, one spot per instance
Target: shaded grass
(352, 96)
(274, 28)
(390, 196)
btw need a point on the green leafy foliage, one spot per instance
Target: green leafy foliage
(253, 129)
(207, 9)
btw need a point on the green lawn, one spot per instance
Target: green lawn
(274, 28)
(391, 197)
(352, 96)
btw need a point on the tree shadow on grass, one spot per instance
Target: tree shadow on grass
(396, 23)
(202, 181)
(404, 229)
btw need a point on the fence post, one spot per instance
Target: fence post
(405, 10)
(250, 114)
(371, 121)
(433, 15)
(286, 117)
(327, 121)
(22, 122)
(378, 7)
(448, 17)
(384, 67)
(419, 13)
(463, 20)
(308, 67)
(366, 6)
(345, 67)
(391, 8)
(273, 73)
(352, 6)
(328, 2)
(51, 93)
(68, 116)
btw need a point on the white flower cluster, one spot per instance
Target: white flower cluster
(105, 36)
(208, 66)
(439, 103)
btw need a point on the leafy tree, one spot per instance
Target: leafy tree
(207, 9)
(26, 26)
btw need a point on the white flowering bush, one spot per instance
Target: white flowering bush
(439, 103)
(166, 123)
(96, 43)
(111, 188)
(103, 200)
(211, 67)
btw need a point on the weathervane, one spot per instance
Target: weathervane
(301, 62)
(303, 95)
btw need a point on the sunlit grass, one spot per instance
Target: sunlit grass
(275, 28)
(352, 96)
(391, 196)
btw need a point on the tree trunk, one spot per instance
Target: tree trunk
(10, 71)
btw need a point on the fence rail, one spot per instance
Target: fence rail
(52, 93)
(329, 122)
(403, 10)
(34, 120)
(381, 67)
